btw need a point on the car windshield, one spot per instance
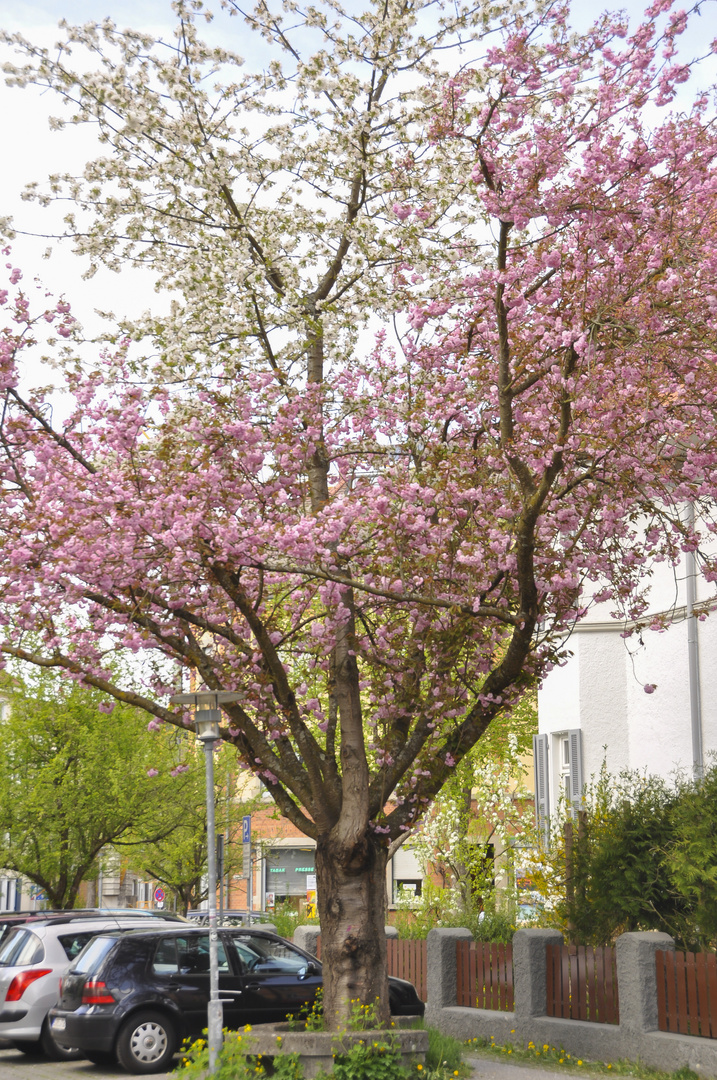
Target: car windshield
(21, 948)
(92, 956)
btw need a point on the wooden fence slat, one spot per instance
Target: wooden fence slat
(671, 990)
(494, 995)
(581, 957)
(591, 985)
(550, 961)
(566, 996)
(601, 976)
(711, 976)
(703, 1003)
(692, 1010)
(681, 1015)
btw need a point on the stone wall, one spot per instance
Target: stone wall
(635, 1037)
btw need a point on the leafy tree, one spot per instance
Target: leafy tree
(484, 810)
(643, 858)
(378, 553)
(620, 878)
(73, 780)
(690, 858)
(178, 861)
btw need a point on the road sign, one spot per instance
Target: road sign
(159, 894)
(246, 841)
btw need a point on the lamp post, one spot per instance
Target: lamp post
(207, 716)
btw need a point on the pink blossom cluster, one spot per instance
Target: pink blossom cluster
(527, 453)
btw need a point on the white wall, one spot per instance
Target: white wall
(601, 688)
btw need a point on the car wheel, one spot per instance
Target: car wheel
(52, 1049)
(146, 1043)
(101, 1057)
(32, 1049)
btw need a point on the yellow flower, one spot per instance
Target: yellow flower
(545, 1046)
(419, 1067)
(512, 1031)
(562, 1060)
(579, 1061)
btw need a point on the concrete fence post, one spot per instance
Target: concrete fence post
(637, 979)
(391, 931)
(529, 971)
(441, 963)
(306, 937)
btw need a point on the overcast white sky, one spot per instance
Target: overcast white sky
(31, 151)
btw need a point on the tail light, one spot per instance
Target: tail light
(20, 983)
(96, 993)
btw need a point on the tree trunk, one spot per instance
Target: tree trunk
(351, 897)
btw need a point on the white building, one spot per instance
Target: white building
(595, 708)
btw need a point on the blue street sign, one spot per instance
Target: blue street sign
(246, 829)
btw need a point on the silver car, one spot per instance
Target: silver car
(33, 958)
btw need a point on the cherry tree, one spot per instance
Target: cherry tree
(378, 549)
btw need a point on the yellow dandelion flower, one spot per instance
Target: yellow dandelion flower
(579, 1061)
(419, 1067)
(545, 1046)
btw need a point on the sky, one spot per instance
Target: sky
(31, 151)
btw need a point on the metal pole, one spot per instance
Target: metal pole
(693, 655)
(214, 1010)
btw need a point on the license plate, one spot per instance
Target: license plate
(59, 1023)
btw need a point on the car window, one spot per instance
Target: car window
(73, 944)
(187, 956)
(21, 948)
(263, 954)
(89, 961)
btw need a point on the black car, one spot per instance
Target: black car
(135, 997)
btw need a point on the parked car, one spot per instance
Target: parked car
(10, 919)
(230, 917)
(33, 955)
(134, 998)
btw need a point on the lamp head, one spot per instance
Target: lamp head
(206, 722)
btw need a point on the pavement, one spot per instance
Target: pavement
(488, 1068)
(17, 1066)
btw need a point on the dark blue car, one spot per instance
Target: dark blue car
(135, 997)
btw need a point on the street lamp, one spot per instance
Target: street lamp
(207, 716)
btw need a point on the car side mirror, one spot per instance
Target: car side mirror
(310, 969)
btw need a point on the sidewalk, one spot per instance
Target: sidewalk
(490, 1068)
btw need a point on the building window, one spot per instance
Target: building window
(407, 889)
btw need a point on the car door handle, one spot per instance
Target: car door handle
(253, 986)
(234, 993)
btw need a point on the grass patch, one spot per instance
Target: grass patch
(545, 1056)
(445, 1054)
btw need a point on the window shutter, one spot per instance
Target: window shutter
(542, 786)
(575, 749)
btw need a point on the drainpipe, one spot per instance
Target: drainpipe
(693, 654)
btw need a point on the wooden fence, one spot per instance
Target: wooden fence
(582, 983)
(484, 975)
(407, 959)
(687, 993)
